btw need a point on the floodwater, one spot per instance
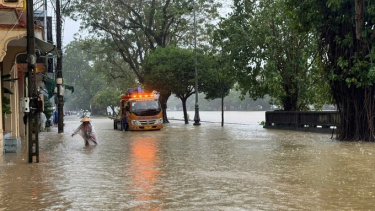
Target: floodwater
(240, 166)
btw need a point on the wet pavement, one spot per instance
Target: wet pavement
(186, 167)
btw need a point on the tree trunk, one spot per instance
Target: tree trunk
(359, 17)
(290, 101)
(356, 109)
(113, 111)
(183, 100)
(163, 98)
(356, 104)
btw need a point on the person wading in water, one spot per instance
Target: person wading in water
(87, 131)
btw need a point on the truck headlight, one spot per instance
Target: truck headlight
(159, 121)
(135, 122)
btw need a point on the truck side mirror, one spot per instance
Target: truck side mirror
(127, 108)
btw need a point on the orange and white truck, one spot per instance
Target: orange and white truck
(139, 111)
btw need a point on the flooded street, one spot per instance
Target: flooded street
(240, 166)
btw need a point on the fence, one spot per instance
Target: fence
(314, 121)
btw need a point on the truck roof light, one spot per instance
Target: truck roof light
(130, 96)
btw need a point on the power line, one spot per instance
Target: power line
(14, 25)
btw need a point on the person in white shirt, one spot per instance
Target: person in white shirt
(43, 120)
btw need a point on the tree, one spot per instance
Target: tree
(110, 63)
(133, 28)
(269, 57)
(79, 72)
(346, 47)
(218, 81)
(48, 111)
(5, 100)
(107, 97)
(171, 70)
(93, 70)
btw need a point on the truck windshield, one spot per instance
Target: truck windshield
(145, 107)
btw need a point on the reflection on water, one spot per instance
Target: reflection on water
(144, 171)
(185, 167)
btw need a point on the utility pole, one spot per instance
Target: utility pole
(32, 129)
(197, 119)
(59, 78)
(45, 20)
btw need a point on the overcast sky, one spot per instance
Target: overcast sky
(69, 29)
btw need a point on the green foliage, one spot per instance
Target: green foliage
(218, 80)
(169, 69)
(79, 71)
(346, 48)
(48, 108)
(351, 60)
(133, 29)
(6, 105)
(106, 97)
(6, 100)
(172, 70)
(268, 56)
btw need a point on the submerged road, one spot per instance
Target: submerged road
(186, 167)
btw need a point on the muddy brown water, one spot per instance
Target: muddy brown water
(240, 166)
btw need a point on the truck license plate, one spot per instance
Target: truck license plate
(148, 127)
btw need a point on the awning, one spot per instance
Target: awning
(51, 84)
(46, 48)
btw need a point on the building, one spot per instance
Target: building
(13, 61)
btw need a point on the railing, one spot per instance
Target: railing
(318, 121)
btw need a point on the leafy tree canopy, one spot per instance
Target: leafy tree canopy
(346, 45)
(89, 67)
(107, 97)
(172, 70)
(268, 56)
(134, 27)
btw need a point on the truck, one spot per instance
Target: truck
(139, 111)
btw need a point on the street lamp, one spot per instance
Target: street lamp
(196, 116)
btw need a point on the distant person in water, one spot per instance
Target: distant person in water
(43, 120)
(87, 131)
(55, 117)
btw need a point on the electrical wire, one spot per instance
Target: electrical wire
(14, 25)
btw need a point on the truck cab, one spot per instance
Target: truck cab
(139, 111)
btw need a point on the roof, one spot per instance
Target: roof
(46, 48)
